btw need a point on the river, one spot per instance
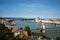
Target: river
(51, 30)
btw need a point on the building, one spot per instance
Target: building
(21, 33)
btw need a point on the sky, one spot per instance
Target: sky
(30, 8)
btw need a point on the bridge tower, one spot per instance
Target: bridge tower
(43, 27)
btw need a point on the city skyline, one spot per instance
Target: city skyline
(30, 8)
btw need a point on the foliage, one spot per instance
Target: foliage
(27, 28)
(21, 28)
(57, 38)
(17, 38)
(39, 34)
(7, 34)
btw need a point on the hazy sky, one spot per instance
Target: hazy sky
(30, 8)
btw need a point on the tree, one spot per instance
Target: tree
(21, 28)
(7, 34)
(17, 38)
(2, 26)
(27, 28)
(57, 38)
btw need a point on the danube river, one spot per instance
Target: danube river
(52, 30)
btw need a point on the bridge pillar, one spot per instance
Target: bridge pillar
(43, 28)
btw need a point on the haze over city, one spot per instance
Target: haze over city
(29, 19)
(30, 8)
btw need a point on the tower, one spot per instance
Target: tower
(43, 28)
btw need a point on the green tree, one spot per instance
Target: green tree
(57, 38)
(27, 28)
(17, 38)
(21, 28)
(7, 34)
